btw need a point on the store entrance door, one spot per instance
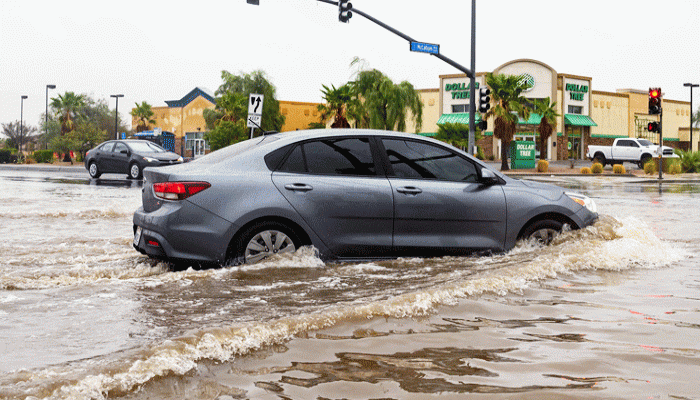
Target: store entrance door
(197, 148)
(573, 146)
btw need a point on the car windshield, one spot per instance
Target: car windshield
(146, 147)
(645, 142)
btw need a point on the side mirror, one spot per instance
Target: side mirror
(125, 152)
(488, 177)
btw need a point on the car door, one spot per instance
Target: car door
(120, 158)
(103, 156)
(337, 188)
(439, 204)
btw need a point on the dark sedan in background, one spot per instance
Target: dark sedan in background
(352, 194)
(128, 157)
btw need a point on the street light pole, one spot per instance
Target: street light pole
(21, 124)
(116, 115)
(691, 86)
(46, 116)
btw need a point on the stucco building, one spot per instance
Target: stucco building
(185, 119)
(587, 116)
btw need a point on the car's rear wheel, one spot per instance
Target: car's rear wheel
(93, 170)
(263, 240)
(599, 158)
(135, 171)
(543, 231)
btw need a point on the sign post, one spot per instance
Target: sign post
(255, 106)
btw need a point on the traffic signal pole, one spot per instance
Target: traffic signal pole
(467, 71)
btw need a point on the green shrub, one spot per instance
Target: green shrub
(597, 168)
(689, 161)
(675, 168)
(542, 166)
(5, 156)
(585, 170)
(43, 156)
(619, 169)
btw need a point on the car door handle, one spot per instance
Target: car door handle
(409, 190)
(298, 187)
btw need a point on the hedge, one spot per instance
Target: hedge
(43, 156)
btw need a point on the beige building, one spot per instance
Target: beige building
(185, 119)
(586, 116)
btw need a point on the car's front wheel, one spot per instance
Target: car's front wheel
(135, 171)
(543, 231)
(93, 170)
(262, 240)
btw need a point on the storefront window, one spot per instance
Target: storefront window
(460, 108)
(575, 110)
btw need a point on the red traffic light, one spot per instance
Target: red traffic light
(654, 93)
(653, 127)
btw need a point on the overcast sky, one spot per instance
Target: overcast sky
(152, 50)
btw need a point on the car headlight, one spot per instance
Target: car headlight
(150, 159)
(584, 201)
(180, 159)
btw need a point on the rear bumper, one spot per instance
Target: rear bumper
(182, 231)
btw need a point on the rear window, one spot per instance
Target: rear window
(233, 150)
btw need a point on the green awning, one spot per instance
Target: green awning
(457, 118)
(578, 120)
(533, 120)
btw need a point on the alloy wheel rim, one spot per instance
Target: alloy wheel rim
(93, 169)
(266, 244)
(134, 171)
(544, 235)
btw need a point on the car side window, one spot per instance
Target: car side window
(107, 147)
(410, 159)
(345, 156)
(119, 147)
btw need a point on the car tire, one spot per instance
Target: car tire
(599, 158)
(543, 231)
(645, 159)
(263, 240)
(135, 171)
(93, 170)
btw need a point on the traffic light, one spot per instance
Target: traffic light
(484, 99)
(344, 13)
(654, 101)
(653, 127)
(482, 125)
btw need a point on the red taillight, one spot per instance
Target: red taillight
(178, 190)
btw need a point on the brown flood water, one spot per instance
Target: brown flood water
(610, 311)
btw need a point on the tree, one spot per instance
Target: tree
(379, 103)
(86, 135)
(337, 101)
(509, 105)
(233, 101)
(226, 133)
(456, 134)
(68, 107)
(15, 137)
(548, 123)
(144, 116)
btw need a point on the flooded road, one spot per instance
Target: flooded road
(610, 311)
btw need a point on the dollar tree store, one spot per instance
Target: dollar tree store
(586, 116)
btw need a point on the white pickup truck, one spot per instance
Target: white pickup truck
(637, 151)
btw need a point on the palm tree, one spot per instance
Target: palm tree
(509, 106)
(68, 107)
(337, 100)
(144, 116)
(548, 123)
(379, 103)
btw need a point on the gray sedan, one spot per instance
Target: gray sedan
(352, 194)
